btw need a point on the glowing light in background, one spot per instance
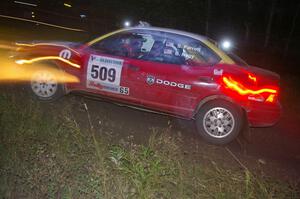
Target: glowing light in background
(226, 45)
(42, 23)
(127, 24)
(67, 5)
(25, 3)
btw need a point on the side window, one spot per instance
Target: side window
(126, 44)
(108, 45)
(177, 49)
(157, 46)
(196, 53)
(160, 48)
(193, 51)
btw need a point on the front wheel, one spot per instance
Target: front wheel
(219, 122)
(44, 85)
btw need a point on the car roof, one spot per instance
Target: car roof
(169, 30)
(179, 32)
(204, 39)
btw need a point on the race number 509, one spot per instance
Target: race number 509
(103, 73)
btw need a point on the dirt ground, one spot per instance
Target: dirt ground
(273, 151)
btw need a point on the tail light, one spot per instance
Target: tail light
(262, 94)
(271, 98)
(252, 77)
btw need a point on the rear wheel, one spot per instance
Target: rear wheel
(44, 85)
(219, 121)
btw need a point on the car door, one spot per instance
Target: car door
(106, 68)
(168, 78)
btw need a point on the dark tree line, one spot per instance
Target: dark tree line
(270, 24)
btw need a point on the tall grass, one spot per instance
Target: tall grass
(45, 153)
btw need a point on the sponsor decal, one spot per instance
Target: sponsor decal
(95, 85)
(113, 89)
(104, 73)
(66, 54)
(151, 80)
(173, 84)
(218, 72)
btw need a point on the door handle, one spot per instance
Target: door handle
(132, 67)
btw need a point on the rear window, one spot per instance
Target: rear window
(239, 61)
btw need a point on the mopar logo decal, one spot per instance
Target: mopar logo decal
(66, 54)
(150, 79)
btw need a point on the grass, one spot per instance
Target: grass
(46, 154)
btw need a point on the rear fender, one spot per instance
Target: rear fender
(214, 97)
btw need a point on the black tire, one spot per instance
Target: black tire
(55, 89)
(209, 127)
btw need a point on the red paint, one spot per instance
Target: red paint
(252, 77)
(170, 91)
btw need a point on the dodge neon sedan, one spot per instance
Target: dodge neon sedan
(163, 70)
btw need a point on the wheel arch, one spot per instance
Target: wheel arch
(219, 97)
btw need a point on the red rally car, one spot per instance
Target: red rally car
(163, 70)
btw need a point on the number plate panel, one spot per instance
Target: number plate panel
(104, 73)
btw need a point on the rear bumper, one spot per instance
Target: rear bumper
(263, 115)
